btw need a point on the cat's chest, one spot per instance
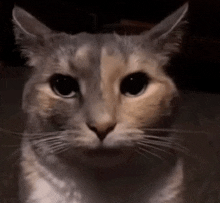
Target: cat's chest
(52, 190)
(45, 192)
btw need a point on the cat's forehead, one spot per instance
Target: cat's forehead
(93, 46)
(89, 52)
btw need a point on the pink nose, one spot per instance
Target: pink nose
(102, 129)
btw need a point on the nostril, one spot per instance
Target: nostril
(101, 131)
(94, 129)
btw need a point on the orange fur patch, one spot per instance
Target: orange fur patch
(146, 108)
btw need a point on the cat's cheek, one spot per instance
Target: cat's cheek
(149, 108)
(48, 102)
(138, 116)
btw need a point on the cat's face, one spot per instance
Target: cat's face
(94, 96)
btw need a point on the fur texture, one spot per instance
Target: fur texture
(100, 145)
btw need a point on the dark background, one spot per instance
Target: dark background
(196, 68)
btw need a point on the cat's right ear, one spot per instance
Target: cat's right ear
(27, 26)
(30, 35)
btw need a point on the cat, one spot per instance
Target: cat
(94, 104)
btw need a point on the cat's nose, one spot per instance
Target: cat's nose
(102, 129)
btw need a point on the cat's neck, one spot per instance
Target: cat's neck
(131, 182)
(114, 184)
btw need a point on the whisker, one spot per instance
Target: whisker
(154, 147)
(62, 150)
(57, 142)
(143, 152)
(163, 138)
(53, 149)
(156, 142)
(25, 134)
(176, 146)
(18, 145)
(52, 133)
(11, 132)
(44, 134)
(174, 130)
(59, 149)
(47, 139)
(173, 145)
(54, 144)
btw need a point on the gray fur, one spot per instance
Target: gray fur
(68, 175)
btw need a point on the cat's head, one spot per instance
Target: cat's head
(97, 93)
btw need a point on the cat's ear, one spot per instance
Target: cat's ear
(27, 26)
(166, 36)
(30, 35)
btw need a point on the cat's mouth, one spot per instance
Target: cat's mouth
(103, 152)
(106, 157)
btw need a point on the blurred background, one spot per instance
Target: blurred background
(196, 68)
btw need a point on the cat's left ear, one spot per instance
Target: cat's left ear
(166, 36)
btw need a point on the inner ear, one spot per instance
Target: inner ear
(170, 24)
(28, 24)
(166, 36)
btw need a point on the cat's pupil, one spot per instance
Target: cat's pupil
(134, 84)
(65, 86)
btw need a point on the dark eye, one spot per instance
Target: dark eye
(134, 84)
(64, 86)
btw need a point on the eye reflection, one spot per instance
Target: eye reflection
(134, 84)
(64, 85)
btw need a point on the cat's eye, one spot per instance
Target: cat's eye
(134, 84)
(64, 86)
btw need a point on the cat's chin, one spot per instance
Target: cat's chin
(101, 157)
(106, 157)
